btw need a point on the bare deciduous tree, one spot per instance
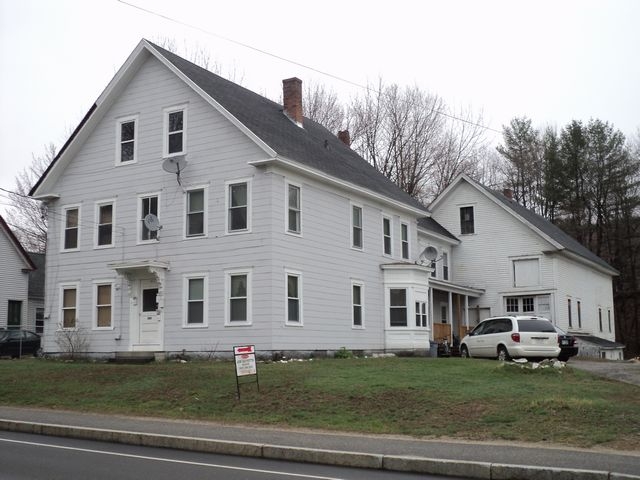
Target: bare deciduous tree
(25, 216)
(322, 106)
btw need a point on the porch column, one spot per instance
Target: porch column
(466, 311)
(451, 314)
(431, 311)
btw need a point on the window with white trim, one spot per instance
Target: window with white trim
(238, 212)
(404, 232)
(294, 298)
(421, 314)
(148, 205)
(386, 236)
(528, 305)
(175, 129)
(195, 297)
(445, 266)
(467, 224)
(569, 312)
(526, 272)
(513, 305)
(579, 311)
(71, 228)
(294, 224)
(357, 304)
(238, 295)
(127, 135)
(69, 308)
(196, 213)
(600, 319)
(609, 319)
(398, 307)
(103, 305)
(356, 227)
(104, 223)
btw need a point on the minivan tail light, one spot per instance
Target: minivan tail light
(515, 337)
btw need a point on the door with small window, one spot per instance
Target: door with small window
(150, 318)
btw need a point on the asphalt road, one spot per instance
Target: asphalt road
(27, 457)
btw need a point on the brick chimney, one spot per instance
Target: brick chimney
(508, 193)
(344, 137)
(292, 99)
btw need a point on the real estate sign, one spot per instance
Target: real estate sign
(245, 360)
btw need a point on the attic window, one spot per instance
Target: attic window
(127, 135)
(175, 127)
(467, 225)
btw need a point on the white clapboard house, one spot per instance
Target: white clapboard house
(187, 213)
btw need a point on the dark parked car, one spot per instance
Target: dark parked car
(15, 343)
(568, 347)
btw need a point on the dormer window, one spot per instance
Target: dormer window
(175, 126)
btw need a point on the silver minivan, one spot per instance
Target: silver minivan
(512, 337)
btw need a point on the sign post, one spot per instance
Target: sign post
(245, 360)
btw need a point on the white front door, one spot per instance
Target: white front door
(150, 318)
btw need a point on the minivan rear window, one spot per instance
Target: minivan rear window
(535, 325)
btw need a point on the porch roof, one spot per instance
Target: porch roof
(455, 288)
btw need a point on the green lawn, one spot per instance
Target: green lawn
(445, 397)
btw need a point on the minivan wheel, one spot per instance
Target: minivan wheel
(464, 352)
(503, 354)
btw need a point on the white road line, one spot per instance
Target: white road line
(144, 457)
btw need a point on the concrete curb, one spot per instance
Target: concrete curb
(475, 470)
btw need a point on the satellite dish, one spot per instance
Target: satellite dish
(428, 254)
(175, 165)
(152, 222)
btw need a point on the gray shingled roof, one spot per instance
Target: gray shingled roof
(549, 229)
(429, 224)
(601, 342)
(36, 277)
(312, 146)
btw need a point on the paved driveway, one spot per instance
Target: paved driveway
(622, 371)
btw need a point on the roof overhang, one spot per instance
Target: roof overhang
(137, 266)
(289, 164)
(437, 236)
(456, 288)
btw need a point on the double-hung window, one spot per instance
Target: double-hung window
(600, 319)
(569, 312)
(404, 231)
(148, 206)
(104, 224)
(609, 319)
(356, 227)
(293, 209)
(398, 307)
(421, 314)
(238, 294)
(386, 235)
(445, 266)
(195, 217)
(103, 305)
(294, 298)
(467, 225)
(238, 216)
(71, 228)
(579, 311)
(175, 130)
(195, 314)
(69, 308)
(127, 138)
(357, 303)
(14, 314)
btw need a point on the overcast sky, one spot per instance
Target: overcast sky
(553, 61)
